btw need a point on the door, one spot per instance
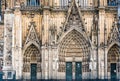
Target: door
(33, 72)
(113, 71)
(68, 71)
(78, 71)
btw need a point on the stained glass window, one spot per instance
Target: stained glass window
(112, 2)
(0, 9)
(33, 2)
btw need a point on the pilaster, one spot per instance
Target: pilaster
(8, 25)
(17, 43)
(45, 66)
(101, 43)
(45, 32)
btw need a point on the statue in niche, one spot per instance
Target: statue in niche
(8, 59)
(52, 33)
(60, 33)
(17, 2)
(46, 3)
(95, 22)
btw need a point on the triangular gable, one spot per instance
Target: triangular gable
(74, 17)
(32, 35)
(114, 35)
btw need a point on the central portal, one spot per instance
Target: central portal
(74, 56)
(69, 71)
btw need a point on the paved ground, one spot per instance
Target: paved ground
(65, 80)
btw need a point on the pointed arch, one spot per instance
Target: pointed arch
(113, 43)
(30, 43)
(113, 58)
(32, 37)
(74, 47)
(77, 30)
(31, 56)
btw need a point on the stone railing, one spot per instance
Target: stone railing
(30, 8)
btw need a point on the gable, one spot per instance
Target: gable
(114, 34)
(74, 17)
(32, 35)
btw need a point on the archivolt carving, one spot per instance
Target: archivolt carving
(74, 45)
(113, 55)
(32, 54)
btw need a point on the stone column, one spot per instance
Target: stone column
(101, 42)
(105, 52)
(54, 59)
(8, 25)
(17, 43)
(45, 44)
(94, 50)
(50, 56)
(45, 66)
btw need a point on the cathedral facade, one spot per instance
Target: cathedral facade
(60, 39)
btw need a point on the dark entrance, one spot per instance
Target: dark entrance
(33, 72)
(113, 71)
(78, 71)
(68, 71)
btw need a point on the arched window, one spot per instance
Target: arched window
(112, 2)
(33, 2)
(82, 3)
(64, 3)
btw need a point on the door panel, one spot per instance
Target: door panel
(68, 71)
(78, 71)
(33, 72)
(113, 71)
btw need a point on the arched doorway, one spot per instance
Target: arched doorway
(74, 56)
(113, 61)
(32, 63)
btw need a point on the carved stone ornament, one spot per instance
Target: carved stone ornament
(114, 34)
(32, 35)
(74, 18)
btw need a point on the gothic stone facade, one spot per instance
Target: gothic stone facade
(43, 38)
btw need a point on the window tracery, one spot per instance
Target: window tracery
(112, 2)
(80, 3)
(33, 2)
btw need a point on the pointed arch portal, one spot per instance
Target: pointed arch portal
(32, 62)
(74, 55)
(113, 61)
